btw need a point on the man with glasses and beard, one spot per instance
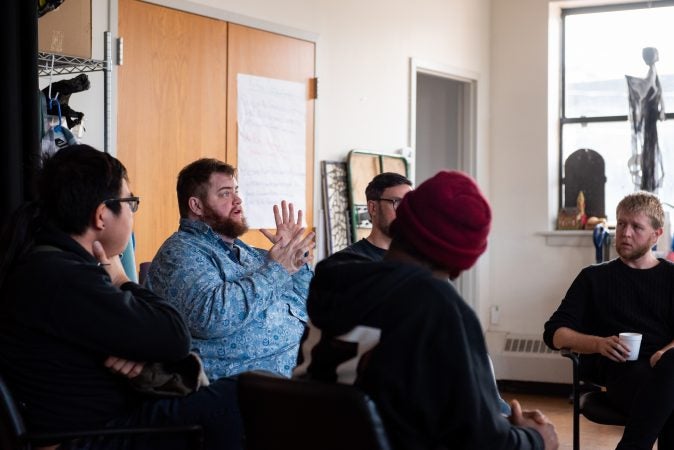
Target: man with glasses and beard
(384, 193)
(632, 293)
(245, 307)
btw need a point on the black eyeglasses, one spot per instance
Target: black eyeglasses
(132, 201)
(394, 201)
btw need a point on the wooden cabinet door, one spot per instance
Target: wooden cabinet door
(261, 53)
(172, 108)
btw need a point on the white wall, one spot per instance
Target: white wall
(363, 51)
(528, 278)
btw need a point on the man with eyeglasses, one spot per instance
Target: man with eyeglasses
(76, 333)
(244, 306)
(384, 193)
(133, 202)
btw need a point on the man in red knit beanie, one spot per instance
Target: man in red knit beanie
(446, 220)
(399, 330)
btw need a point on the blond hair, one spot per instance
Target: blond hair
(645, 202)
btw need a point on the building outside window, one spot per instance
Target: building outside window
(600, 45)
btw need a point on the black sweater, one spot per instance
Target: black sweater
(610, 298)
(359, 251)
(60, 318)
(427, 369)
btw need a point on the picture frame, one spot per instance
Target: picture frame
(335, 205)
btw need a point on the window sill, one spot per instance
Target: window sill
(569, 238)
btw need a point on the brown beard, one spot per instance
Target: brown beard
(224, 225)
(386, 230)
(633, 254)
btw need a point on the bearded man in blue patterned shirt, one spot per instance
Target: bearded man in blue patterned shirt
(245, 307)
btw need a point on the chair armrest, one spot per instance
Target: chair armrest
(568, 353)
(575, 360)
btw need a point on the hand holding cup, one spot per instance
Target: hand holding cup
(633, 342)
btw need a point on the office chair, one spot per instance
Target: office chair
(281, 414)
(594, 404)
(144, 268)
(15, 436)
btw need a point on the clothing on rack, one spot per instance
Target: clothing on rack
(58, 95)
(45, 6)
(54, 137)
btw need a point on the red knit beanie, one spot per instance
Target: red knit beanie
(446, 219)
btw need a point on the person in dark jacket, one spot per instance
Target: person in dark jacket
(399, 330)
(632, 293)
(74, 331)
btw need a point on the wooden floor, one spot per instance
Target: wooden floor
(559, 411)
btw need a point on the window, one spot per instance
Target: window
(600, 46)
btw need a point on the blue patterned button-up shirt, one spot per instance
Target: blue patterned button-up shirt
(244, 313)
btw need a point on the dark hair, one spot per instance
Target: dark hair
(383, 181)
(193, 180)
(74, 182)
(71, 185)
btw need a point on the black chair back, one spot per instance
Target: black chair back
(281, 414)
(143, 269)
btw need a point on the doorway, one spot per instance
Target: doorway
(439, 131)
(442, 133)
(443, 125)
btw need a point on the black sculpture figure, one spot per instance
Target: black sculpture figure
(646, 108)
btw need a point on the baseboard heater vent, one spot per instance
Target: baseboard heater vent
(524, 357)
(527, 345)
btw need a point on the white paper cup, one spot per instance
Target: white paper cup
(633, 342)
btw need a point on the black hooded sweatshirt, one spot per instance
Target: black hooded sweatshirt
(61, 317)
(415, 347)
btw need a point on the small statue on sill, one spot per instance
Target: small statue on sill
(573, 218)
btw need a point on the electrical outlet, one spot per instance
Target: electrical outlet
(494, 314)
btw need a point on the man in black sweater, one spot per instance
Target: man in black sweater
(72, 324)
(632, 293)
(399, 330)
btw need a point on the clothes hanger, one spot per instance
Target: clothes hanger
(54, 100)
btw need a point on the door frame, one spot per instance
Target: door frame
(240, 19)
(467, 158)
(466, 284)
